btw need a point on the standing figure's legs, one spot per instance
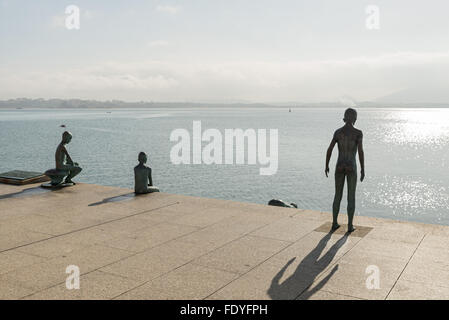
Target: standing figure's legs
(352, 184)
(339, 184)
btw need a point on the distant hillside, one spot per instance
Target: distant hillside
(93, 104)
(386, 102)
(435, 95)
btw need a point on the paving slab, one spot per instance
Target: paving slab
(190, 281)
(243, 254)
(92, 286)
(12, 260)
(11, 290)
(287, 229)
(410, 290)
(151, 236)
(166, 246)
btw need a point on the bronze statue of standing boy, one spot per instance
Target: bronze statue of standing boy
(349, 140)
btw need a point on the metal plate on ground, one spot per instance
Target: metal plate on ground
(19, 177)
(360, 231)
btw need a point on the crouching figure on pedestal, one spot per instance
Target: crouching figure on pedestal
(65, 167)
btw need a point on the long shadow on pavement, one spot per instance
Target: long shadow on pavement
(24, 193)
(298, 284)
(122, 197)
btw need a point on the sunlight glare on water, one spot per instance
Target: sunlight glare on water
(418, 128)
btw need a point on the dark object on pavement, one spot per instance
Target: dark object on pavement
(280, 203)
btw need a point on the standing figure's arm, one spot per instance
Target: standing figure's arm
(150, 179)
(361, 157)
(328, 155)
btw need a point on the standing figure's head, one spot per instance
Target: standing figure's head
(350, 116)
(142, 157)
(66, 137)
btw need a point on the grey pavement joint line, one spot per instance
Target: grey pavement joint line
(414, 251)
(345, 295)
(258, 264)
(108, 264)
(395, 276)
(327, 268)
(147, 249)
(213, 250)
(88, 227)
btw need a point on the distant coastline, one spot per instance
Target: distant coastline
(26, 103)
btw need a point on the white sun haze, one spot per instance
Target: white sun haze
(258, 51)
(168, 9)
(158, 43)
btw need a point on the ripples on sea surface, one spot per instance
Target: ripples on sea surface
(406, 154)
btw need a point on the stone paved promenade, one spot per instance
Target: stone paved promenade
(164, 246)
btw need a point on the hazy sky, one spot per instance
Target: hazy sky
(225, 50)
